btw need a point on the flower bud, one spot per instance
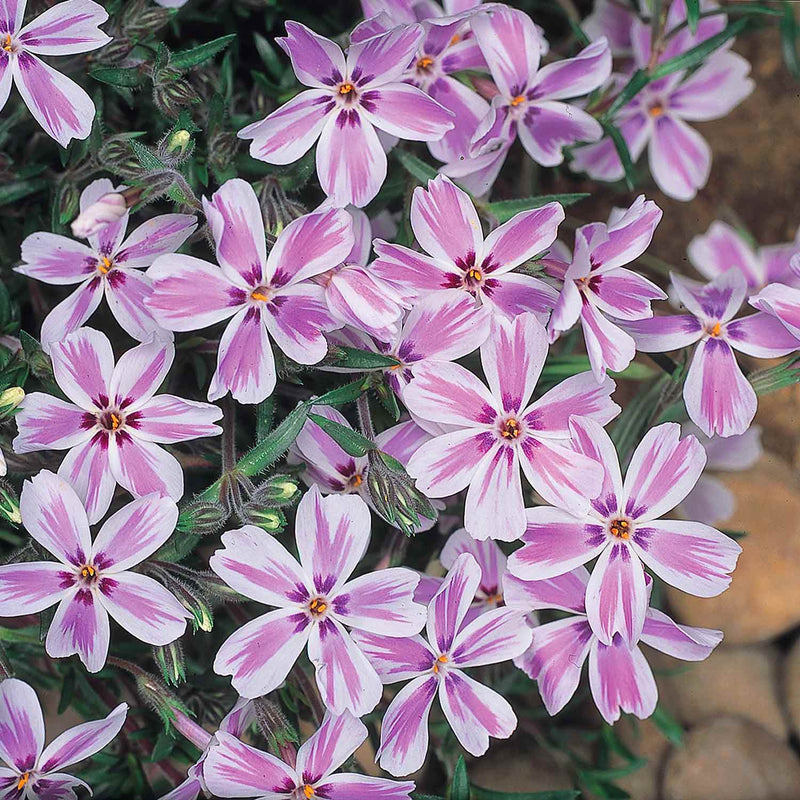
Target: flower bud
(9, 400)
(9, 504)
(171, 663)
(276, 491)
(179, 141)
(202, 518)
(222, 147)
(271, 520)
(277, 208)
(109, 208)
(172, 94)
(115, 154)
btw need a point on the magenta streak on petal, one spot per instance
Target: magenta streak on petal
(43, 87)
(57, 26)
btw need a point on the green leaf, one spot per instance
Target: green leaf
(11, 192)
(622, 151)
(269, 56)
(187, 59)
(125, 77)
(771, 379)
(692, 14)
(352, 442)
(416, 167)
(789, 41)
(503, 210)
(459, 786)
(559, 367)
(147, 159)
(352, 358)
(668, 725)
(637, 82)
(479, 793)
(343, 394)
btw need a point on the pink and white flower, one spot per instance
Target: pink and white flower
(436, 667)
(458, 257)
(495, 431)
(114, 423)
(656, 118)
(92, 580)
(782, 301)
(270, 298)
(619, 676)
(314, 601)
(347, 100)
(57, 103)
(235, 769)
(33, 771)
(624, 530)
(719, 399)
(597, 286)
(529, 100)
(108, 266)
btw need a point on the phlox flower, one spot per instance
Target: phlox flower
(722, 248)
(114, 423)
(33, 771)
(710, 501)
(401, 12)
(457, 256)
(613, 21)
(347, 100)
(267, 297)
(597, 286)
(92, 580)
(623, 528)
(620, 678)
(356, 295)
(314, 601)
(495, 431)
(529, 100)
(782, 302)
(719, 399)
(234, 723)
(436, 667)
(656, 118)
(108, 266)
(57, 103)
(234, 769)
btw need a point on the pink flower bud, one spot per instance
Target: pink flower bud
(109, 208)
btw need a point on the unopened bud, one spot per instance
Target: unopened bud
(202, 518)
(179, 141)
(276, 491)
(116, 155)
(271, 520)
(173, 94)
(222, 148)
(9, 504)
(109, 208)
(171, 662)
(9, 400)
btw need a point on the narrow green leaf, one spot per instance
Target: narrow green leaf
(16, 190)
(352, 442)
(771, 379)
(638, 81)
(416, 167)
(343, 394)
(147, 159)
(352, 358)
(503, 210)
(187, 59)
(789, 41)
(622, 151)
(269, 56)
(126, 77)
(692, 14)
(559, 367)
(668, 725)
(266, 453)
(459, 786)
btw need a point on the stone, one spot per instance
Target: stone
(732, 680)
(791, 673)
(763, 600)
(513, 768)
(645, 740)
(731, 758)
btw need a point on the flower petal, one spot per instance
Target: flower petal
(288, 133)
(488, 554)
(556, 659)
(761, 335)
(139, 373)
(83, 364)
(260, 654)
(167, 419)
(616, 595)
(468, 109)
(142, 467)
(81, 626)
(56, 259)
(13, 13)
(316, 61)
(591, 439)
(82, 741)
(550, 126)
(234, 769)
(625, 294)
(32, 586)
(57, 103)
(601, 160)
(332, 535)
(47, 423)
(565, 592)
(190, 294)
(127, 292)
(396, 659)
(336, 739)
(54, 516)
(449, 606)
(108, 239)
(381, 602)
(721, 248)
(133, 533)
(782, 302)
(411, 274)
(608, 346)
(259, 567)
(680, 158)
(87, 469)
(680, 641)
(574, 77)
(445, 222)
(660, 334)
(498, 635)
(710, 502)
(719, 399)
(245, 364)
(554, 543)
(351, 162)
(72, 312)
(383, 59)
(158, 236)
(717, 301)
(475, 712)
(347, 786)
(693, 557)
(621, 680)
(21, 724)
(406, 111)
(404, 733)
(65, 29)
(628, 237)
(512, 294)
(345, 678)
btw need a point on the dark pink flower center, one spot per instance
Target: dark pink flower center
(112, 419)
(510, 429)
(620, 528)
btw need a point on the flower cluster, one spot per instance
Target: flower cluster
(495, 352)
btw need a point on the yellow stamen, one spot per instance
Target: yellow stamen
(115, 421)
(104, 266)
(88, 572)
(515, 101)
(456, 39)
(511, 429)
(259, 296)
(716, 330)
(621, 529)
(497, 599)
(308, 791)
(346, 88)
(656, 110)
(424, 62)
(438, 662)
(475, 275)
(317, 606)
(356, 481)
(23, 780)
